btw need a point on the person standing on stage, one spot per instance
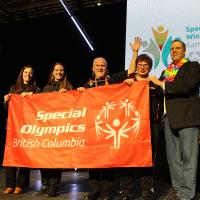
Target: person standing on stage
(101, 180)
(143, 67)
(18, 178)
(180, 85)
(58, 82)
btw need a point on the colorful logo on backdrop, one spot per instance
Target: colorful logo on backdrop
(159, 46)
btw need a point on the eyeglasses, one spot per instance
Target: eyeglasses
(143, 65)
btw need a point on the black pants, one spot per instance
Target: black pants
(17, 177)
(126, 176)
(51, 177)
(100, 182)
(146, 174)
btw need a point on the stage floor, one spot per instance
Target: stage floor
(73, 187)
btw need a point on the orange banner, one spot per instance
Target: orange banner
(102, 127)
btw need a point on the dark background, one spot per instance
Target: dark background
(44, 40)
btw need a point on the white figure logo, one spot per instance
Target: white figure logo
(117, 129)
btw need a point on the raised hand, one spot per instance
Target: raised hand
(135, 45)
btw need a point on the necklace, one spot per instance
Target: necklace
(172, 70)
(105, 80)
(96, 81)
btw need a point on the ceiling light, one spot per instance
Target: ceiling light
(75, 21)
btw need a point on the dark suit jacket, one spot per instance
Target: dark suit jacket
(182, 97)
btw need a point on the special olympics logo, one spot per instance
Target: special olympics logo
(113, 127)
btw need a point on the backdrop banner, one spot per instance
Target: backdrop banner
(101, 127)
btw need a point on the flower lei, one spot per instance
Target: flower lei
(172, 70)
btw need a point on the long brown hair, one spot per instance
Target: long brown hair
(64, 82)
(19, 86)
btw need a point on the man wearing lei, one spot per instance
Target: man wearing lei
(180, 85)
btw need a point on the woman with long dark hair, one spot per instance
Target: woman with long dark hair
(18, 177)
(58, 82)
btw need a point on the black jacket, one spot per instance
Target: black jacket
(182, 97)
(115, 78)
(52, 87)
